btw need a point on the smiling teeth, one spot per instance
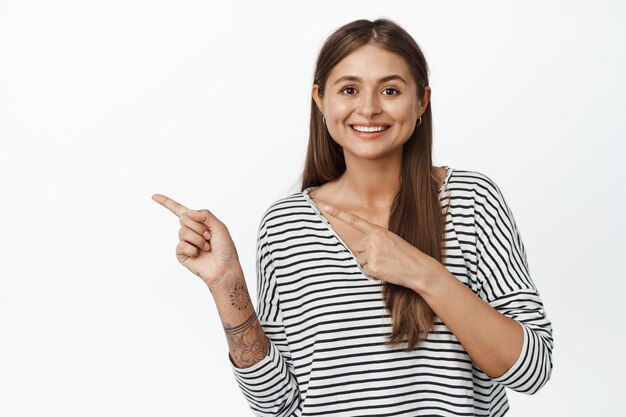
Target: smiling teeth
(369, 128)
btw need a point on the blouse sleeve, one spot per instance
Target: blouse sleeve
(505, 283)
(269, 386)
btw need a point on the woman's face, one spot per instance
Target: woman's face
(371, 89)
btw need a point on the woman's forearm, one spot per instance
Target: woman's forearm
(246, 339)
(492, 340)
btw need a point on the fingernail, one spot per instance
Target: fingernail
(206, 246)
(207, 235)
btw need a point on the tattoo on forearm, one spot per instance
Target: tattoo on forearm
(239, 297)
(241, 327)
(247, 341)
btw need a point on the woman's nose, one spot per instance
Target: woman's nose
(368, 105)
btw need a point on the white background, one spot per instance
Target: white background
(103, 103)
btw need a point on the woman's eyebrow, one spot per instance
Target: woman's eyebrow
(380, 80)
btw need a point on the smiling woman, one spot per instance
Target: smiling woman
(381, 102)
(386, 286)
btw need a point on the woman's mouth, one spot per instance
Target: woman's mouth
(369, 131)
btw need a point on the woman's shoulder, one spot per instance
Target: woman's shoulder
(473, 181)
(472, 191)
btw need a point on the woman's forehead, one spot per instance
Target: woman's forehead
(371, 63)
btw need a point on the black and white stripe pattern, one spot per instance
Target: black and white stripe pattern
(327, 322)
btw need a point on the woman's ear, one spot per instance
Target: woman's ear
(317, 98)
(424, 102)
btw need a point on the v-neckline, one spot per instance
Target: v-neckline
(307, 197)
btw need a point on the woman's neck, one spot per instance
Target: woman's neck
(369, 183)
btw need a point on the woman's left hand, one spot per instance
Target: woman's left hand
(384, 255)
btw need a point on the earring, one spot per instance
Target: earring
(323, 119)
(420, 121)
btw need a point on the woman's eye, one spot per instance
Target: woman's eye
(391, 91)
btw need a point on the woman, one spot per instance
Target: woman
(386, 286)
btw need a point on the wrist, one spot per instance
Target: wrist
(227, 279)
(431, 276)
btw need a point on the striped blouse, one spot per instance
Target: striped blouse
(327, 323)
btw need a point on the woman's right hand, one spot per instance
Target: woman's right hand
(205, 246)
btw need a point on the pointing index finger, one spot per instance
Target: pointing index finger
(351, 219)
(170, 204)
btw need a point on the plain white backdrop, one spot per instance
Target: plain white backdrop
(103, 104)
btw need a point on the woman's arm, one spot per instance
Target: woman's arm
(218, 265)
(269, 385)
(503, 327)
(247, 342)
(261, 367)
(492, 340)
(261, 362)
(501, 324)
